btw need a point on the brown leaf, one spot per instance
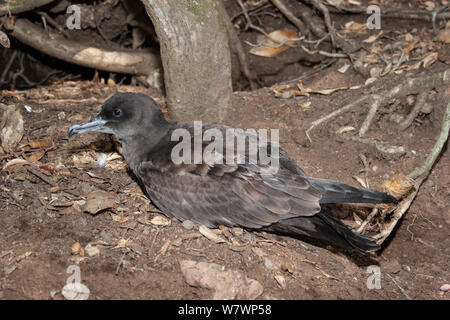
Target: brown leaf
(98, 201)
(429, 59)
(355, 27)
(443, 36)
(280, 36)
(46, 143)
(36, 156)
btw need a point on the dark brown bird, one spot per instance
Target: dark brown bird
(214, 192)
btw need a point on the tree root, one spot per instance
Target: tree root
(290, 16)
(130, 62)
(397, 13)
(420, 174)
(405, 88)
(425, 169)
(21, 6)
(236, 45)
(422, 97)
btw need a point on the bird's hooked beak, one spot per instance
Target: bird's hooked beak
(96, 124)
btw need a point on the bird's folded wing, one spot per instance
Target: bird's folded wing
(229, 194)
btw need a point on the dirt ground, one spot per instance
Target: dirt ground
(36, 237)
(41, 217)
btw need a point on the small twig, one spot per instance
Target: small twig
(380, 145)
(236, 44)
(40, 176)
(369, 218)
(366, 169)
(326, 15)
(8, 66)
(312, 72)
(120, 263)
(425, 169)
(51, 21)
(398, 286)
(249, 23)
(97, 25)
(421, 98)
(290, 16)
(324, 53)
(370, 115)
(315, 29)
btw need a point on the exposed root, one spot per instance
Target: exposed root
(21, 6)
(399, 13)
(405, 88)
(326, 15)
(425, 169)
(137, 62)
(420, 174)
(380, 146)
(290, 16)
(370, 115)
(422, 97)
(236, 45)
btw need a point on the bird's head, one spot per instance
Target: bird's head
(125, 115)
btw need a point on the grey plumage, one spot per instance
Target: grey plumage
(215, 193)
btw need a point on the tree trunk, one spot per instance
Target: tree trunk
(196, 57)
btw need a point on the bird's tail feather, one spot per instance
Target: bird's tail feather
(324, 226)
(336, 192)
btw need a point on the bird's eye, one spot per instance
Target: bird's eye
(117, 112)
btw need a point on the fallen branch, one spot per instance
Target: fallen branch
(21, 6)
(396, 13)
(130, 62)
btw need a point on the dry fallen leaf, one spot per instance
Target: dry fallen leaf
(36, 156)
(356, 27)
(39, 144)
(429, 59)
(98, 201)
(160, 221)
(373, 37)
(443, 36)
(281, 36)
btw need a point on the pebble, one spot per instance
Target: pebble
(281, 281)
(187, 224)
(268, 264)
